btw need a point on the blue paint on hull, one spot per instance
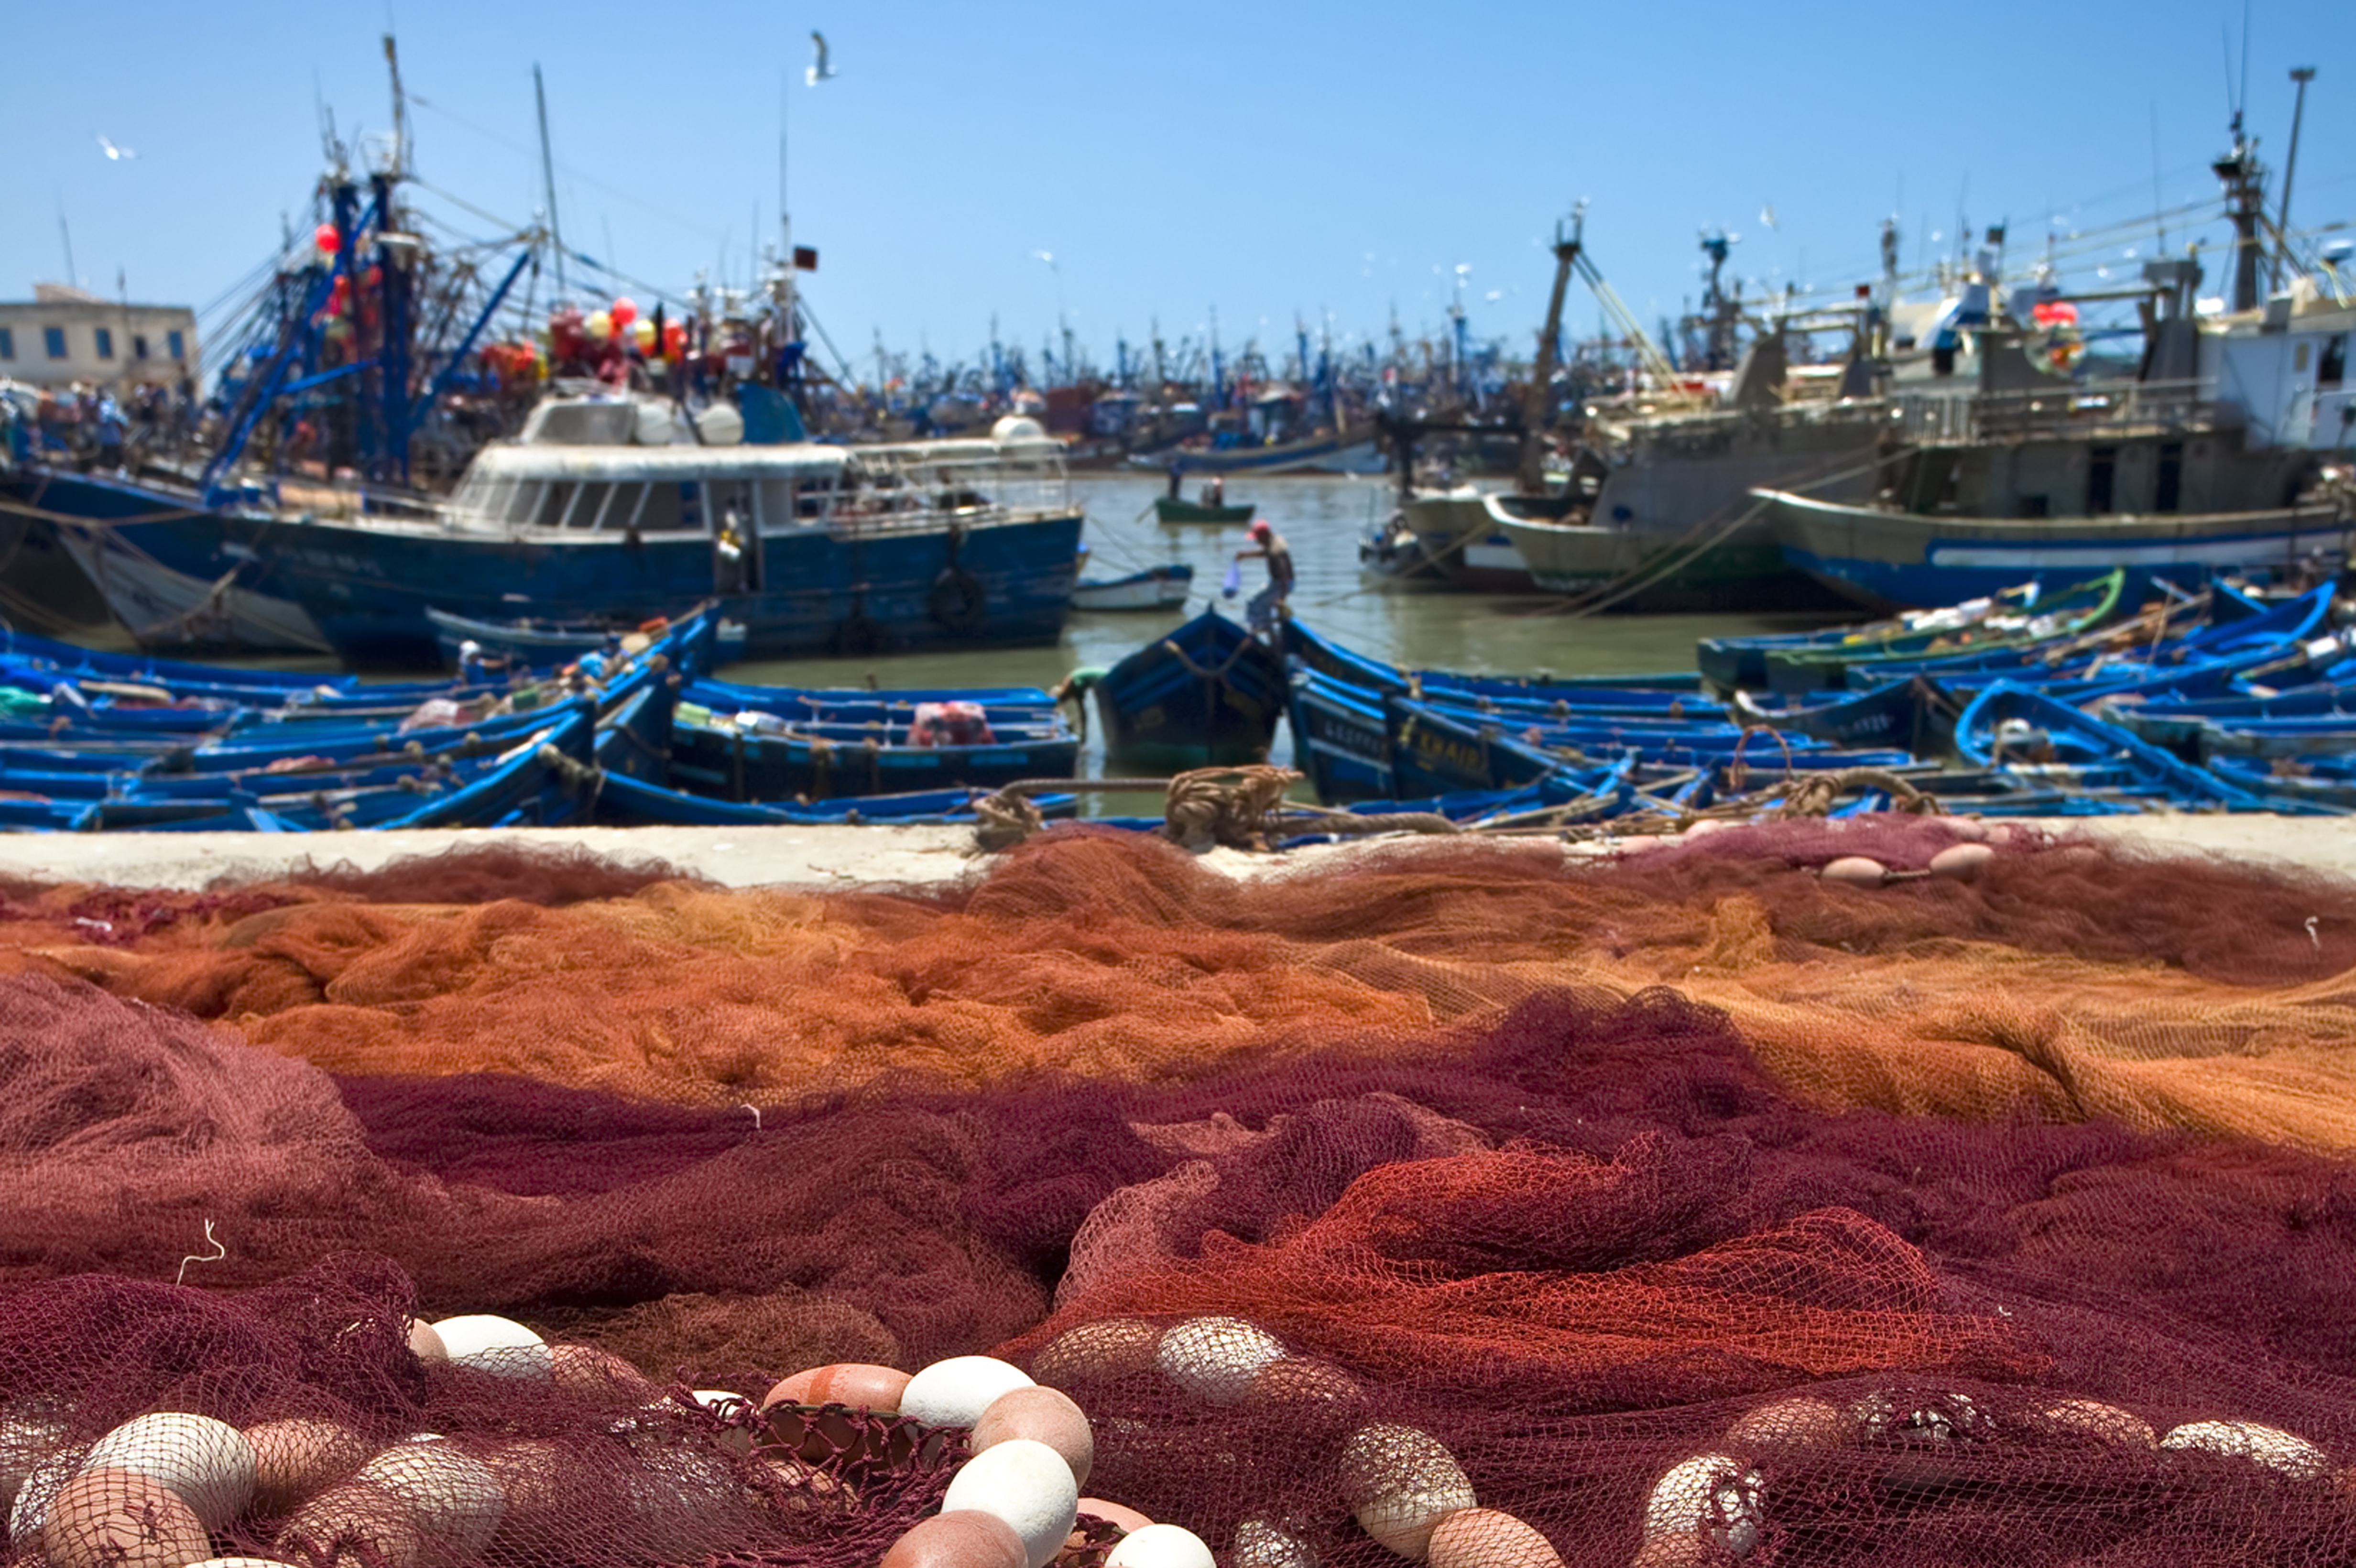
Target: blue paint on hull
(366, 588)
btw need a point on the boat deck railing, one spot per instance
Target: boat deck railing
(2121, 408)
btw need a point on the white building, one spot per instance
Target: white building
(67, 335)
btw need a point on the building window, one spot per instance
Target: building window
(53, 340)
(105, 337)
(7, 342)
(173, 345)
(139, 345)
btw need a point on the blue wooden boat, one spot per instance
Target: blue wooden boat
(75, 662)
(2001, 625)
(2321, 782)
(545, 643)
(1341, 739)
(1901, 713)
(626, 802)
(1334, 662)
(1209, 694)
(1435, 752)
(752, 743)
(2017, 727)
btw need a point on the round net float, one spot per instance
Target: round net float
(1679, 1549)
(1962, 862)
(1215, 1358)
(111, 1517)
(297, 1459)
(955, 1392)
(1259, 1544)
(1399, 1483)
(1712, 1496)
(2104, 1422)
(425, 1341)
(1115, 1514)
(1856, 872)
(1044, 1415)
(861, 1385)
(2275, 1449)
(1109, 1349)
(454, 1496)
(590, 1371)
(494, 1344)
(1161, 1546)
(208, 1463)
(1026, 1484)
(1802, 1421)
(355, 1526)
(1484, 1538)
(958, 1538)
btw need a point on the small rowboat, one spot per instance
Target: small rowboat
(1156, 588)
(1170, 509)
(1208, 695)
(540, 643)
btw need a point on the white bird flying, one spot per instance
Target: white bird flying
(113, 153)
(1767, 216)
(820, 70)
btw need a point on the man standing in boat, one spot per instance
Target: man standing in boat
(1260, 613)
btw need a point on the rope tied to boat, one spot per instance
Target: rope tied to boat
(1230, 807)
(1206, 807)
(1815, 795)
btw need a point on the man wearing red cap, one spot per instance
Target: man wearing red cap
(1263, 610)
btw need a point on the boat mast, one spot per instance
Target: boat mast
(548, 178)
(2301, 74)
(1539, 398)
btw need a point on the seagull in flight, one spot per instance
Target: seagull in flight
(819, 70)
(113, 153)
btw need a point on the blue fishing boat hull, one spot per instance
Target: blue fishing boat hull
(1208, 695)
(1340, 740)
(363, 590)
(1434, 752)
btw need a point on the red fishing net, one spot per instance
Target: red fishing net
(1341, 1205)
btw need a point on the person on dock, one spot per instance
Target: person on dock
(1261, 612)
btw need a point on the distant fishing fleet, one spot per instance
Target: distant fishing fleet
(2110, 554)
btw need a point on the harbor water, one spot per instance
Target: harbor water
(1321, 520)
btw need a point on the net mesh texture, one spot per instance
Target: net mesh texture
(1687, 1207)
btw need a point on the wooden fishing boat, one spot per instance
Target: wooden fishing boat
(2022, 729)
(1173, 509)
(1209, 694)
(1460, 538)
(543, 643)
(751, 744)
(1159, 587)
(1434, 751)
(1336, 662)
(1341, 739)
(1901, 713)
(1975, 632)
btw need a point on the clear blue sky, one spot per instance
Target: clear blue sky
(1262, 159)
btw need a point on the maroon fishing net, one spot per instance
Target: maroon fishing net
(1454, 1207)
